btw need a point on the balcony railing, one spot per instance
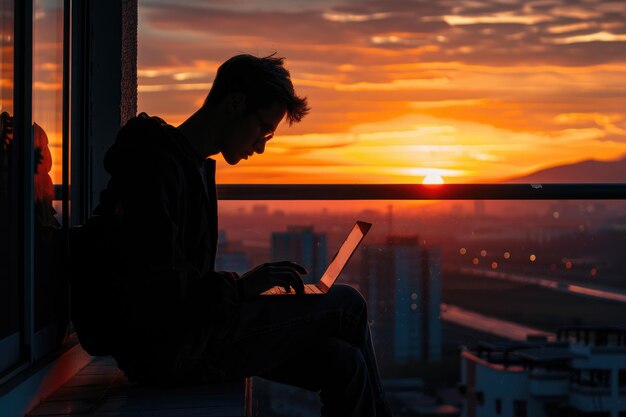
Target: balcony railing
(581, 191)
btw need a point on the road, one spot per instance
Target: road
(564, 286)
(491, 325)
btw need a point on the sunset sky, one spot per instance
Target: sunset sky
(473, 91)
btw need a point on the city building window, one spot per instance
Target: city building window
(498, 406)
(599, 378)
(520, 408)
(480, 398)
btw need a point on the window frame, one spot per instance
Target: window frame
(520, 408)
(34, 344)
(22, 122)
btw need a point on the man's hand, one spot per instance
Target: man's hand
(284, 274)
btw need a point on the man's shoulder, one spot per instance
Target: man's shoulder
(144, 125)
(155, 119)
(143, 143)
(148, 135)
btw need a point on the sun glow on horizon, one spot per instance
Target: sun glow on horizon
(433, 179)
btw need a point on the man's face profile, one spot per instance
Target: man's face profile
(249, 130)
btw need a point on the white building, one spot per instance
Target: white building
(583, 373)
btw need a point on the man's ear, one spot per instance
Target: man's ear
(236, 103)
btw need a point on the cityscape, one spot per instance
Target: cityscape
(479, 308)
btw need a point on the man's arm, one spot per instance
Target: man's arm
(150, 193)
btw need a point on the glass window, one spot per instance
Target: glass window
(598, 378)
(404, 92)
(519, 408)
(9, 197)
(48, 93)
(47, 113)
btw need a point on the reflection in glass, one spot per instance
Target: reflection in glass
(48, 83)
(47, 112)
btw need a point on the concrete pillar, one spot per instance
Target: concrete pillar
(109, 86)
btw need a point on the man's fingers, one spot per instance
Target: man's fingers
(301, 269)
(289, 274)
(277, 282)
(297, 283)
(284, 274)
(293, 278)
(282, 264)
(289, 278)
(294, 265)
(291, 266)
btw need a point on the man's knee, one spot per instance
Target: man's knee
(346, 390)
(348, 361)
(351, 296)
(349, 293)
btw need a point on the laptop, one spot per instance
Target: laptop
(335, 267)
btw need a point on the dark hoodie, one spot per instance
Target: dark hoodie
(151, 295)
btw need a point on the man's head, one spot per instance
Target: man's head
(256, 93)
(262, 80)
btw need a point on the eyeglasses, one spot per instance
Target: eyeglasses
(267, 130)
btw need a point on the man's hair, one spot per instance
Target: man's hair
(263, 80)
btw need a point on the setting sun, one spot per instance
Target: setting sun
(432, 179)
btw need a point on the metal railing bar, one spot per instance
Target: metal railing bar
(587, 191)
(590, 191)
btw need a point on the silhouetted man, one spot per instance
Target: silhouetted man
(151, 297)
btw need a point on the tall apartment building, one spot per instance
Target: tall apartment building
(402, 284)
(231, 256)
(302, 245)
(582, 373)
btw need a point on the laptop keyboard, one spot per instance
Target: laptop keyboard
(308, 289)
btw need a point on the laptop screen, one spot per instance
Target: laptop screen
(345, 253)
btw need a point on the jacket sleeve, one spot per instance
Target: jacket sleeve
(149, 212)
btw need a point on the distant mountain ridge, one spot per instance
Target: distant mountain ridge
(584, 171)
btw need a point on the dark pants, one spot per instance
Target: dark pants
(320, 343)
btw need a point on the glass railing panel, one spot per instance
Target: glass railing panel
(502, 287)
